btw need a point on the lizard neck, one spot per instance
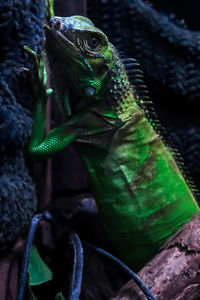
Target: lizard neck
(119, 95)
(119, 92)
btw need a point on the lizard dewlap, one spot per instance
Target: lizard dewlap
(141, 194)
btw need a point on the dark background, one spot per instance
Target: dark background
(188, 10)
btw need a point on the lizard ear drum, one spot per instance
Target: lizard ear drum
(89, 91)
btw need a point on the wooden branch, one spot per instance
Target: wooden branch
(174, 273)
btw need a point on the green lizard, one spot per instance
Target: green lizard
(141, 194)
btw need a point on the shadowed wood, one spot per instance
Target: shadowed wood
(174, 272)
(9, 271)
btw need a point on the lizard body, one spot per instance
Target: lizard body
(169, 54)
(140, 192)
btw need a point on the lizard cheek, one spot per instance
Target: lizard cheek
(89, 91)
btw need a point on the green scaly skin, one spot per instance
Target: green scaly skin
(140, 192)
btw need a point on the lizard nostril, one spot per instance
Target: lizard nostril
(57, 24)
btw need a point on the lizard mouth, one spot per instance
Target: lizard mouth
(59, 32)
(63, 54)
(58, 45)
(56, 35)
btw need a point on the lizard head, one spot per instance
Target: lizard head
(81, 54)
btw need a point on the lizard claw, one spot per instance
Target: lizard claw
(39, 79)
(49, 9)
(22, 69)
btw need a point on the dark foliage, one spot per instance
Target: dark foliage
(21, 23)
(187, 10)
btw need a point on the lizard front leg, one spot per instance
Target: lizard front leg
(39, 146)
(57, 139)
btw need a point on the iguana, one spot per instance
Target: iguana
(141, 194)
(169, 53)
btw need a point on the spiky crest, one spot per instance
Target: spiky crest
(140, 92)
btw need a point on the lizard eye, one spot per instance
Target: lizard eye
(93, 42)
